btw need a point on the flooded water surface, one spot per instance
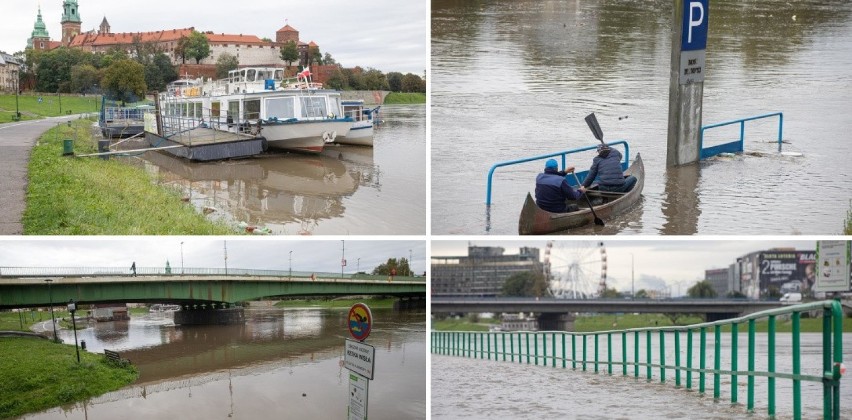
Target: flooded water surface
(344, 190)
(514, 79)
(280, 364)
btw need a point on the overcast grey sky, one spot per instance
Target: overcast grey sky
(658, 262)
(388, 35)
(255, 253)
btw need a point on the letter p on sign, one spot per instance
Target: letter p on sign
(694, 27)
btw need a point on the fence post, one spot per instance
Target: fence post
(648, 353)
(702, 343)
(689, 359)
(734, 353)
(717, 360)
(662, 356)
(609, 353)
(770, 349)
(624, 353)
(750, 402)
(677, 358)
(797, 368)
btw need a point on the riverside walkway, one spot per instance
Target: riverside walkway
(16, 142)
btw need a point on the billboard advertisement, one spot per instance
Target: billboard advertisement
(786, 271)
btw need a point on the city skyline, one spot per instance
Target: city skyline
(668, 264)
(385, 35)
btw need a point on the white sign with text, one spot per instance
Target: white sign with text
(359, 358)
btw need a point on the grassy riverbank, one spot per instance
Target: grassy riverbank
(91, 196)
(38, 374)
(397, 98)
(31, 109)
(620, 322)
(335, 303)
(11, 321)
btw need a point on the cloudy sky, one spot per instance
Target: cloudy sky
(388, 35)
(658, 263)
(254, 253)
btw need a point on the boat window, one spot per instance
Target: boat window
(215, 109)
(234, 110)
(250, 75)
(281, 108)
(198, 113)
(279, 74)
(313, 106)
(251, 109)
(334, 105)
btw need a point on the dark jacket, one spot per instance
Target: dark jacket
(607, 168)
(551, 191)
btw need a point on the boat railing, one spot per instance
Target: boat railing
(564, 155)
(550, 347)
(737, 145)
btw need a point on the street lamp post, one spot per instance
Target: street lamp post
(50, 297)
(181, 257)
(290, 276)
(358, 266)
(59, 93)
(342, 256)
(409, 263)
(17, 88)
(72, 307)
(632, 277)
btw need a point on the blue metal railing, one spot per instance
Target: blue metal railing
(736, 146)
(580, 174)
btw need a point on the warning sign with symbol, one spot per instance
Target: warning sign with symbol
(360, 321)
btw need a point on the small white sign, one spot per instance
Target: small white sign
(832, 270)
(359, 358)
(358, 389)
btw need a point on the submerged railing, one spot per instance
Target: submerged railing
(502, 346)
(737, 146)
(580, 174)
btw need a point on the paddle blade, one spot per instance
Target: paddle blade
(599, 222)
(592, 121)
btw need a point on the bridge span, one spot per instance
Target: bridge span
(556, 313)
(212, 286)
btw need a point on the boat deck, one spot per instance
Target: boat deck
(205, 144)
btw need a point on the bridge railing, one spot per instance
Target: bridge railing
(17, 272)
(564, 156)
(557, 347)
(737, 145)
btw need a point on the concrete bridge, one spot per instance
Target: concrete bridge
(557, 314)
(194, 289)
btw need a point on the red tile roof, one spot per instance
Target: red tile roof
(92, 39)
(287, 28)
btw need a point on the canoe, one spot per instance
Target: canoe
(535, 221)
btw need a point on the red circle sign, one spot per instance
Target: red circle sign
(360, 321)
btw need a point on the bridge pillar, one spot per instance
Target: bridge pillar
(227, 316)
(556, 322)
(408, 303)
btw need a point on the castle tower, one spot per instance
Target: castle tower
(104, 29)
(71, 21)
(287, 33)
(40, 38)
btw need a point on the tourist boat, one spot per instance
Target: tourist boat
(299, 116)
(361, 132)
(535, 221)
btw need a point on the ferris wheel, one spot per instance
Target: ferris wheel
(575, 269)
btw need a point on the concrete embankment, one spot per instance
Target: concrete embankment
(370, 97)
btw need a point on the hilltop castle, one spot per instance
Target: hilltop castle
(249, 49)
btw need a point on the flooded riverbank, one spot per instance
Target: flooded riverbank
(283, 363)
(515, 79)
(345, 190)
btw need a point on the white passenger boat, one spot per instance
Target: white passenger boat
(361, 132)
(299, 116)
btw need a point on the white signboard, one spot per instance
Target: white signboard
(359, 358)
(832, 269)
(358, 388)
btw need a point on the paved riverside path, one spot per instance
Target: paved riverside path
(16, 142)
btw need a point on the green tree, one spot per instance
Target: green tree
(373, 79)
(125, 80)
(735, 295)
(197, 46)
(702, 289)
(84, 77)
(413, 83)
(289, 53)
(328, 60)
(225, 63)
(525, 283)
(394, 81)
(53, 68)
(314, 55)
(337, 80)
(611, 294)
(642, 294)
(401, 266)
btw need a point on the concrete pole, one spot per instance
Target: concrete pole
(686, 91)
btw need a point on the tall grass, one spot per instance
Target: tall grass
(399, 98)
(91, 196)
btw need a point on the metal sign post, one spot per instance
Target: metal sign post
(360, 359)
(686, 84)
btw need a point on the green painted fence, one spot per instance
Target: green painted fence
(558, 348)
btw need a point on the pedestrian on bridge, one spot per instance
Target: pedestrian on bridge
(133, 269)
